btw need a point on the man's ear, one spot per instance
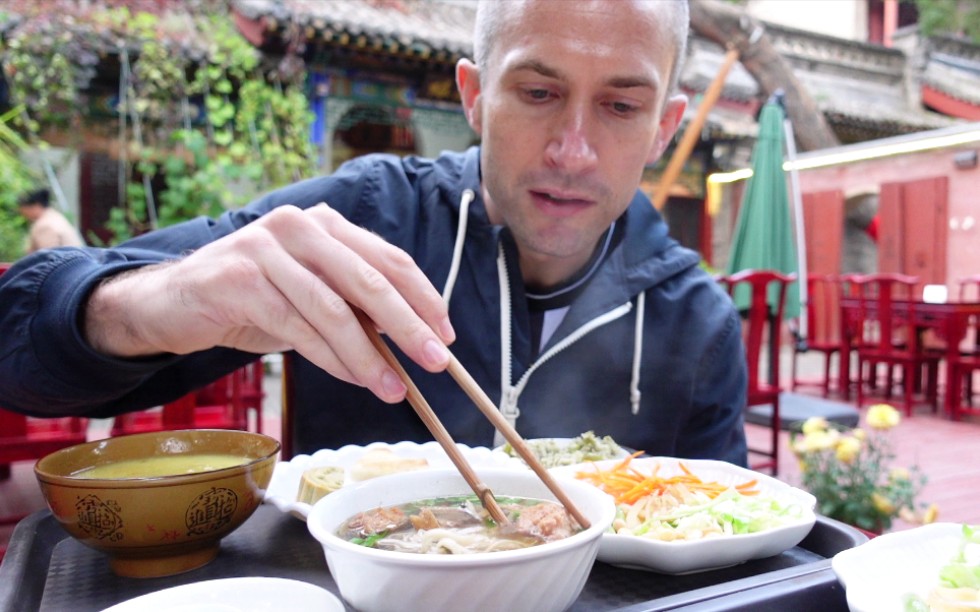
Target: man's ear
(468, 82)
(670, 119)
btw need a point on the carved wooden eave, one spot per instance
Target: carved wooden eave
(432, 34)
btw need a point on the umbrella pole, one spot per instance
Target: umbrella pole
(693, 131)
(801, 263)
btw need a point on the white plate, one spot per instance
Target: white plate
(688, 556)
(284, 486)
(251, 594)
(880, 572)
(561, 442)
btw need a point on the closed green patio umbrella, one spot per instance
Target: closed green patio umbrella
(764, 237)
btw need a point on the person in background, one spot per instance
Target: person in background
(534, 255)
(49, 228)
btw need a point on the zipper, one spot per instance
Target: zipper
(509, 393)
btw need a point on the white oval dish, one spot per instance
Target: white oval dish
(246, 594)
(284, 486)
(880, 572)
(689, 556)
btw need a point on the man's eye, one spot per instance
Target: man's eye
(622, 108)
(537, 94)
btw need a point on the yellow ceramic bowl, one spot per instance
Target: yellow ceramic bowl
(162, 524)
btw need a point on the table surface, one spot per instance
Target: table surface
(45, 569)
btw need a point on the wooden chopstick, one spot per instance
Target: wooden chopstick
(428, 416)
(487, 407)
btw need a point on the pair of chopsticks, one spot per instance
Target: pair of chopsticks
(486, 406)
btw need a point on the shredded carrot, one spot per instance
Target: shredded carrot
(628, 485)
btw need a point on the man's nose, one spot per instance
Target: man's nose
(572, 144)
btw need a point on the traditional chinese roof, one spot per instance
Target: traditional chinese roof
(434, 30)
(950, 77)
(861, 88)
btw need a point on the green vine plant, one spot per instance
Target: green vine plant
(15, 179)
(45, 65)
(204, 123)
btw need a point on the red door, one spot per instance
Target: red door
(823, 222)
(913, 228)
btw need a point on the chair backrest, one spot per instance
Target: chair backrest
(823, 309)
(24, 438)
(877, 293)
(969, 288)
(761, 323)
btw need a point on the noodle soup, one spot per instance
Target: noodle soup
(459, 525)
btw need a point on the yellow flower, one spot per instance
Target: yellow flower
(882, 504)
(859, 433)
(820, 440)
(932, 513)
(814, 424)
(882, 416)
(898, 473)
(847, 449)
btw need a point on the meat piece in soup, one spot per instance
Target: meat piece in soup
(379, 520)
(547, 520)
(459, 525)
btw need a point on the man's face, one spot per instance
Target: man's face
(571, 109)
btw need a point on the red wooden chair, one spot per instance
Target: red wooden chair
(223, 404)
(822, 329)
(887, 340)
(961, 368)
(24, 438)
(763, 325)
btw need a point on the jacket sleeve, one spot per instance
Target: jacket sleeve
(46, 366)
(716, 427)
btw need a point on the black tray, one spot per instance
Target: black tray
(45, 569)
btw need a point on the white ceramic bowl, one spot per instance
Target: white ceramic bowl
(540, 578)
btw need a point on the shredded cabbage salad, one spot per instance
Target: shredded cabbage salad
(682, 506)
(681, 515)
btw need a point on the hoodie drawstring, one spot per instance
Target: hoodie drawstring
(637, 353)
(509, 394)
(464, 213)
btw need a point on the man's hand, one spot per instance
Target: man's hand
(282, 282)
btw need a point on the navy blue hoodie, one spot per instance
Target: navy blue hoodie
(649, 352)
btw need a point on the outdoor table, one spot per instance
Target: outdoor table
(950, 321)
(45, 569)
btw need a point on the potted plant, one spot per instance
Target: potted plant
(850, 472)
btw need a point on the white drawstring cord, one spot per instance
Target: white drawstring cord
(464, 213)
(637, 353)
